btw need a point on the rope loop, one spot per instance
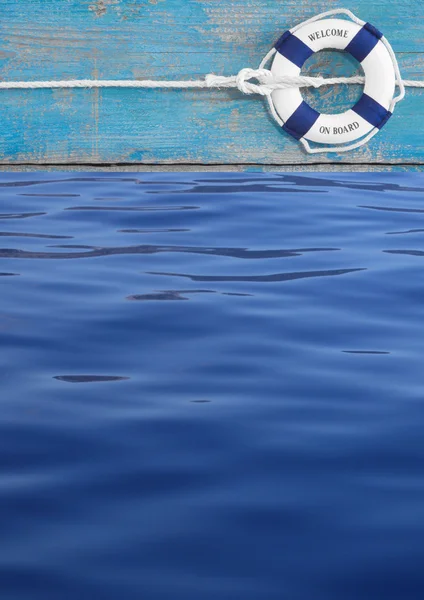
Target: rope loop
(242, 81)
(245, 86)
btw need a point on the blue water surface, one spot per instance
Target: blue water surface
(212, 386)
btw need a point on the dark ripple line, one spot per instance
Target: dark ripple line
(52, 195)
(306, 180)
(237, 180)
(168, 295)
(276, 188)
(9, 274)
(152, 230)
(406, 252)
(21, 215)
(72, 246)
(35, 235)
(405, 232)
(364, 352)
(69, 179)
(393, 209)
(89, 378)
(275, 277)
(200, 401)
(132, 208)
(298, 180)
(241, 294)
(242, 253)
(178, 295)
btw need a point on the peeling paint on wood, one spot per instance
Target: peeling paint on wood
(100, 7)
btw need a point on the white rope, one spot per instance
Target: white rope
(266, 84)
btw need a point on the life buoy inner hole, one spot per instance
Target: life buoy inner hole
(335, 98)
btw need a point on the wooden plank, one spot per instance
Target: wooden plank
(138, 168)
(65, 39)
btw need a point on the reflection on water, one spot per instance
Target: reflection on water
(261, 278)
(394, 208)
(403, 232)
(89, 378)
(21, 215)
(97, 251)
(245, 419)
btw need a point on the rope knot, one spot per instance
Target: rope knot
(244, 84)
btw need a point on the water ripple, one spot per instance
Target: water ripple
(365, 352)
(405, 232)
(42, 236)
(301, 347)
(181, 294)
(89, 378)
(67, 180)
(94, 251)
(273, 277)
(406, 252)
(132, 208)
(322, 181)
(21, 215)
(392, 208)
(52, 195)
(153, 230)
(169, 295)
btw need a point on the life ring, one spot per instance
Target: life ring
(365, 43)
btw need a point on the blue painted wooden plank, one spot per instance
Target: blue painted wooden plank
(228, 168)
(178, 39)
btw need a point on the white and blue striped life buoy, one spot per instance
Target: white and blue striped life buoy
(365, 43)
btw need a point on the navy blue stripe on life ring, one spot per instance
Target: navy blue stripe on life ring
(364, 42)
(370, 110)
(294, 49)
(301, 121)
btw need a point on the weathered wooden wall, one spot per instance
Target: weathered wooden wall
(65, 39)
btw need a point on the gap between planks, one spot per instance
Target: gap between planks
(214, 167)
